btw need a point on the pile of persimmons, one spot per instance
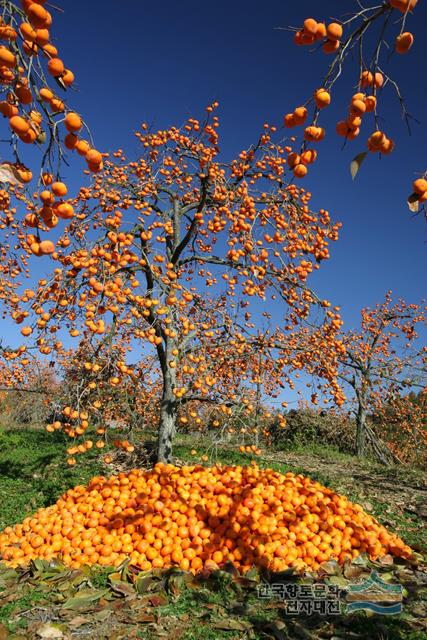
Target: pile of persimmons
(198, 517)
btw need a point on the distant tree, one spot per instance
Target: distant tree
(383, 357)
(402, 420)
(28, 390)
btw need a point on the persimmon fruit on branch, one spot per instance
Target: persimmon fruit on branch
(365, 39)
(33, 79)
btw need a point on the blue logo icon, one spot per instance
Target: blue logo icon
(374, 594)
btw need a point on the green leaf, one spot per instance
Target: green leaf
(8, 577)
(85, 598)
(361, 561)
(337, 580)
(387, 577)
(253, 574)
(145, 581)
(356, 163)
(59, 576)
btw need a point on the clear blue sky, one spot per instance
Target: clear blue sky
(161, 62)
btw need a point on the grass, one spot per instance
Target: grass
(27, 601)
(411, 528)
(34, 472)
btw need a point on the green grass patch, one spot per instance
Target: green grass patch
(408, 526)
(34, 471)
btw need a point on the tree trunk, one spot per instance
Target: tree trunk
(380, 449)
(168, 406)
(361, 425)
(365, 435)
(167, 422)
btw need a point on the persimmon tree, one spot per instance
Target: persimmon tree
(402, 420)
(383, 358)
(28, 391)
(361, 45)
(183, 255)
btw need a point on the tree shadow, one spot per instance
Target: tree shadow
(25, 471)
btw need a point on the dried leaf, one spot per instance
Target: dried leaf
(361, 561)
(277, 630)
(413, 202)
(231, 624)
(145, 617)
(330, 568)
(8, 577)
(8, 173)
(419, 610)
(101, 616)
(49, 631)
(116, 575)
(386, 561)
(59, 81)
(356, 163)
(351, 571)
(144, 583)
(175, 584)
(230, 568)
(122, 588)
(300, 631)
(78, 621)
(4, 633)
(415, 560)
(159, 600)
